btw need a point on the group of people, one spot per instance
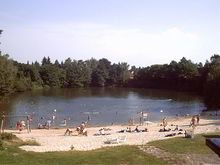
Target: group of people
(47, 125)
(194, 121)
(81, 130)
(128, 129)
(20, 124)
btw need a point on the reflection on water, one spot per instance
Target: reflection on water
(100, 105)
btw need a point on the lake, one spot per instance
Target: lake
(102, 106)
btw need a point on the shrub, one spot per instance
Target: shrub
(30, 143)
(7, 136)
(1, 145)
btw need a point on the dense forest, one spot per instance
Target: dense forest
(183, 75)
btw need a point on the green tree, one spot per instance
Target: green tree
(7, 75)
(46, 61)
(123, 73)
(50, 75)
(100, 76)
(22, 83)
(211, 87)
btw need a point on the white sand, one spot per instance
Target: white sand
(54, 139)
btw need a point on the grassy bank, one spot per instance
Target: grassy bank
(126, 155)
(129, 155)
(182, 145)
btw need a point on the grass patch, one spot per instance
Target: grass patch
(120, 155)
(182, 145)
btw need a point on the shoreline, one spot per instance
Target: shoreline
(54, 140)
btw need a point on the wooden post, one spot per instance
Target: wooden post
(2, 124)
(28, 123)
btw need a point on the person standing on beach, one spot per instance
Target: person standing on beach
(193, 122)
(29, 120)
(89, 118)
(164, 123)
(197, 118)
(141, 118)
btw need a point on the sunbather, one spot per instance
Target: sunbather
(164, 130)
(145, 130)
(128, 129)
(136, 129)
(68, 131)
(169, 135)
(102, 131)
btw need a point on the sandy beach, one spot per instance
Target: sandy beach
(54, 139)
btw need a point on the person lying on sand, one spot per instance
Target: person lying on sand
(136, 129)
(102, 132)
(68, 131)
(169, 135)
(128, 129)
(164, 130)
(145, 130)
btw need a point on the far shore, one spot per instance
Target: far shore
(54, 139)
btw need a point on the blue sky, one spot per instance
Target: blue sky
(140, 32)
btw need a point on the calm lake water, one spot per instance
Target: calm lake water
(102, 106)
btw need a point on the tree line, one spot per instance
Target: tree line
(19, 77)
(183, 75)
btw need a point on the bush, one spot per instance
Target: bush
(1, 145)
(30, 143)
(7, 136)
